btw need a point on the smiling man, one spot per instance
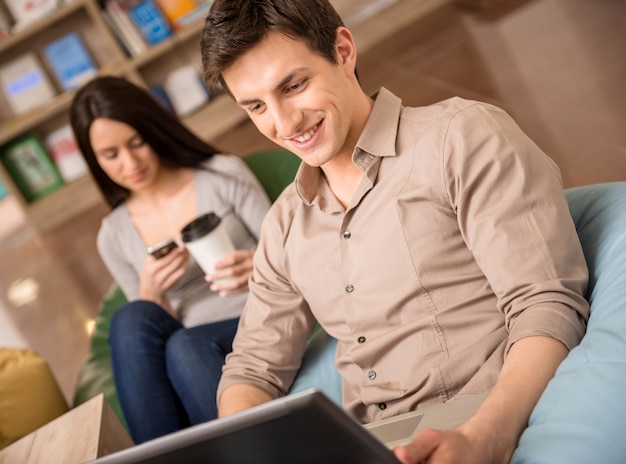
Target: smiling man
(434, 243)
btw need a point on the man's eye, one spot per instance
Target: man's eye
(255, 108)
(295, 87)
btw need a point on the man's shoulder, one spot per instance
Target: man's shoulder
(283, 210)
(444, 109)
(287, 202)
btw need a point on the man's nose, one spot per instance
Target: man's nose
(286, 121)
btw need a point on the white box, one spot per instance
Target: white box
(185, 90)
(27, 11)
(25, 83)
(65, 153)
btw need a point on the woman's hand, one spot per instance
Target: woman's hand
(159, 275)
(232, 273)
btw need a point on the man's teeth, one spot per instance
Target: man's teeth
(306, 136)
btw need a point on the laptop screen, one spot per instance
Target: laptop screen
(303, 428)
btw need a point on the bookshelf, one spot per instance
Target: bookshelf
(86, 18)
(369, 20)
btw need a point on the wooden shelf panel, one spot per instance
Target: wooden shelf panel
(21, 124)
(372, 21)
(220, 115)
(156, 51)
(33, 28)
(62, 205)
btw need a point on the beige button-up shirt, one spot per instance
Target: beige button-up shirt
(458, 242)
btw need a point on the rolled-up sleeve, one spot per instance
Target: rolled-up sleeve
(513, 215)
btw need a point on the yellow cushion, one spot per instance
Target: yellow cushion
(29, 394)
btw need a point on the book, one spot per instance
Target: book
(25, 83)
(185, 90)
(64, 151)
(70, 61)
(31, 168)
(26, 11)
(193, 17)
(148, 19)
(183, 13)
(174, 9)
(126, 32)
(158, 92)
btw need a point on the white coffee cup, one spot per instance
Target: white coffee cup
(207, 241)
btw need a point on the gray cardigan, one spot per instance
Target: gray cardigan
(227, 187)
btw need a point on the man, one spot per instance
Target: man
(434, 243)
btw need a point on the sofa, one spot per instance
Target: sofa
(579, 417)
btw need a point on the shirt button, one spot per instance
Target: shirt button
(371, 375)
(361, 340)
(349, 288)
(347, 234)
(382, 406)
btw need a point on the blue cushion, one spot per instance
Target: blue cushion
(318, 367)
(581, 417)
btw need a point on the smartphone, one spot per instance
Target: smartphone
(162, 248)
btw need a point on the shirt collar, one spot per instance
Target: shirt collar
(378, 139)
(380, 132)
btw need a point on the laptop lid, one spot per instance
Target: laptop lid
(303, 428)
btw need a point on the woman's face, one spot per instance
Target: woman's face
(123, 155)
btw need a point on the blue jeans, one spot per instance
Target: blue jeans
(166, 375)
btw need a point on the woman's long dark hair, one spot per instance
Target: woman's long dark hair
(118, 99)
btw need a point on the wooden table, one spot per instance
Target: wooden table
(85, 433)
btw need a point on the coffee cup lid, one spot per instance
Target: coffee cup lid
(199, 227)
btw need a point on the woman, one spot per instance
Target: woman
(169, 342)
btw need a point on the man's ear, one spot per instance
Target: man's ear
(346, 50)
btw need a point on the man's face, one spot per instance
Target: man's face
(298, 99)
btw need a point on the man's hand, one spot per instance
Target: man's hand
(490, 436)
(232, 273)
(440, 446)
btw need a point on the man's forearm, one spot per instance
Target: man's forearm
(238, 397)
(528, 368)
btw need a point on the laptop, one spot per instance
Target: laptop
(302, 428)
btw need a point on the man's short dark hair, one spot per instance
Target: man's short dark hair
(233, 27)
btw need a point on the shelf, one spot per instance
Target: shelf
(220, 115)
(170, 44)
(67, 202)
(21, 124)
(33, 28)
(372, 21)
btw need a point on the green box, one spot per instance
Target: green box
(31, 168)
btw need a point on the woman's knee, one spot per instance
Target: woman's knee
(185, 342)
(134, 312)
(133, 318)
(211, 342)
